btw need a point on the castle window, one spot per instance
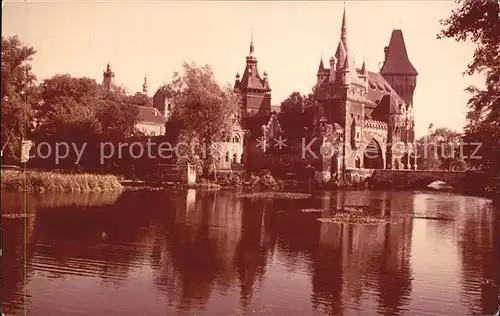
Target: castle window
(227, 156)
(153, 133)
(234, 158)
(357, 163)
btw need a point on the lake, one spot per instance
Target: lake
(200, 253)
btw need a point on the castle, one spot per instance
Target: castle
(362, 120)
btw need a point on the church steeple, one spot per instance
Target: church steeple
(145, 85)
(108, 78)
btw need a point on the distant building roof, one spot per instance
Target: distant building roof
(150, 115)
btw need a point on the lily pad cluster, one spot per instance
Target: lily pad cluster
(276, 195)
(312, 210)
(354, 217)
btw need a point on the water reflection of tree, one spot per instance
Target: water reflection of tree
(480, 258)
(16, 233)
(252, 251)
(197, 256)
(97, 241)
(349, 260)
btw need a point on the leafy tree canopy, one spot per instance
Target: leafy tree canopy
(78, 109)
(18, 83)
(440, 149)
(479, 22)
(297, 102)
(204, 109)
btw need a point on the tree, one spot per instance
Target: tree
(479, 22)
(79, 109)
(298, 103)
(18, 83)
(441, 150)
(205, 110)
(139, 99)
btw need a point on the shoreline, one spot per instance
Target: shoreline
(142, 186)
(15, 181)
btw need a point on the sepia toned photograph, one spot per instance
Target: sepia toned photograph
(250, 158)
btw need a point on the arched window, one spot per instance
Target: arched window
(227, 156)
(234, 158)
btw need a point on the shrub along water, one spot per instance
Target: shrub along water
(37, 181)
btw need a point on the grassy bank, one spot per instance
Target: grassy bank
(37, 181)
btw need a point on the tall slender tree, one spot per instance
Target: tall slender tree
(205, 110)
(18, 83)
(479, 22)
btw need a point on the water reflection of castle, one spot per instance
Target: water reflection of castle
(198, 245)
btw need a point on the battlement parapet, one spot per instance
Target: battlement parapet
(375, 125)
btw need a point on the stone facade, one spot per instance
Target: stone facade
(365, 117)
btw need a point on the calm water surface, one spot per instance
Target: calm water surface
(195, 253)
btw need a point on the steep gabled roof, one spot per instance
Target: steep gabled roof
(397, 61)
(378, 87)
(150, 115)
(387, 105)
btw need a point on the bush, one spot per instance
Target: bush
(37, 181)
(229, 180)
(265, 182)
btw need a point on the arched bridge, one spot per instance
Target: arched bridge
(418, 179)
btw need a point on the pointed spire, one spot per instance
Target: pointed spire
(346, 76)
(343, 30)
(363, 68)
(321, 67)
(251, 42)
(145, 84)
(346, 64)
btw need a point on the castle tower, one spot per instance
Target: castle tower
(237, 81)
(333, 68)
(321, 71)
(397, 68)
(254, 89)
(364, 75)
(108, 78)
(394, 130)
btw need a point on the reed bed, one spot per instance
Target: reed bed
(39, 181)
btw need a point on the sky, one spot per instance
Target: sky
(154, 38)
